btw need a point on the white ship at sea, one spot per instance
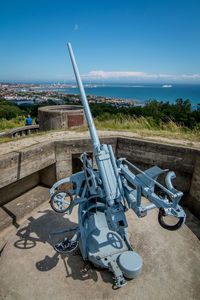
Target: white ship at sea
(166, 85)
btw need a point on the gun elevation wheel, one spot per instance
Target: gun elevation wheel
(61, 201)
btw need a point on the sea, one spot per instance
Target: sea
(141, 93)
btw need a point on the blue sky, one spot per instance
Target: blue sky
(113, 41)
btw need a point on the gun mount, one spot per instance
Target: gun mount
(104, 195)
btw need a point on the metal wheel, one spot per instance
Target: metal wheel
(61, 201)
(173, 227)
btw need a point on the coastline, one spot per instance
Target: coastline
(121, 93)
(136, 93)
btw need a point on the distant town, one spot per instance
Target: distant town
(30, 94)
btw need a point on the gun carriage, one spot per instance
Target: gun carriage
(103, 195)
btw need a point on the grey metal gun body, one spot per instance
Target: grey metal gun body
(105, 194)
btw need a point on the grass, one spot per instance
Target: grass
(13, 123)
(142, 126)
(145, 127)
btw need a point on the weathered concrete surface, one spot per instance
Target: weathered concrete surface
(61, 117)
(194, 195)
(66, 149)
(171, 260)
(20, 131)
(17, 165)
(19, 170)
(13, 211)
(192, 222)
(146, 154)
(17, 188)
(48, 175)
(9, 168)
(16, 145)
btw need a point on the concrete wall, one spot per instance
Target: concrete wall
(194, 193)
(17, 188)
(61, 117)
(19, 164)
(147, 154)
(20, 170)
(65, 151)
(47, 176)
(48, 162)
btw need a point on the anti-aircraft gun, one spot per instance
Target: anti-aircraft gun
(104, 195)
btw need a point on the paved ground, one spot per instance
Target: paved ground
(31, 269)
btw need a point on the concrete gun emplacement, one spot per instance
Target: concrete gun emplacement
(103, 196)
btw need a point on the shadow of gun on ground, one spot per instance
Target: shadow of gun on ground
(50, 221)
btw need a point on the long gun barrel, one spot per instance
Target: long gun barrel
(92, 129)
(102, 153)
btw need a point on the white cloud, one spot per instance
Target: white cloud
(106, 75)
(192, 76)
(95, 75)
(76, 27)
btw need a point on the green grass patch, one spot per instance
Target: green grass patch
(12, 123)
(147, 127)
(143, 126)
(19, 121)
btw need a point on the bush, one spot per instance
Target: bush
(9, 110)
(12, 123)
(157, 113)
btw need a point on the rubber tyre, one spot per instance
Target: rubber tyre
(178, 225)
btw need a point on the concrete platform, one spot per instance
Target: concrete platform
(31, 269)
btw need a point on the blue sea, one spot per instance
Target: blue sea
(142, 93)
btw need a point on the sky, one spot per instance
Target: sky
(113, 41)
